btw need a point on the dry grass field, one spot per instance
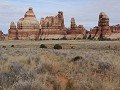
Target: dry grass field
(79, 65)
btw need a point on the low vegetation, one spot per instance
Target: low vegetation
(12, 46)
(90, 68)
(57, 46)
(43, 46)
(3, 46)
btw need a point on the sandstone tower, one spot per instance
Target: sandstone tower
(27, 27)
(12, 32)
(103, 25)
(73, 24)
(75, 32)
(53, 26)
(103, 28)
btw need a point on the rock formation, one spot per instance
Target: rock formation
(103, 28)
(27, 27)
(12, 32)
(76, 32)
(1, 35)
(103, 25)
(53, 26)
(73, 24)
(115, 28)
(53, 21)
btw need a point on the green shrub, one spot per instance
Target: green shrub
(72, 47)
(57, 46)
(77, 58)
(43, 46)
(3, 46)
(12, 45)
(53, 39)
(104, 39)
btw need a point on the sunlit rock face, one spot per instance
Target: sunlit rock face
(115, 28)
(53, 27)
(27, 28)
(103, 28)
(12, 32)
(73, 24)
(29, 21)
(103, 24)
(75, 32)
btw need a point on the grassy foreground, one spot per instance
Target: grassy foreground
(79, 65)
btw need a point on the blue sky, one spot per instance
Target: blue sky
(84, 11)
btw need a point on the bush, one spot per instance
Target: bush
(57, 46)
(3, 46)
(53, 39)
(12, 45)
(104, 66)
(104, 39)
(72, 47)
(89, 37)
(77, 58)
(43, 46)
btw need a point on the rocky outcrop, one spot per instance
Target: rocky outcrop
(12, 32)
(115, 28)
(75, 32)
(103, 25)
(103, 28)
(52, 27)
(53, 21)
(73, 24)
(27, 28)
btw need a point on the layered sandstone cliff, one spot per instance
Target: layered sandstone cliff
(53, 26)
(115, 28)
(12, 32)
(103, 28)
(27, 27)
(75, 32)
